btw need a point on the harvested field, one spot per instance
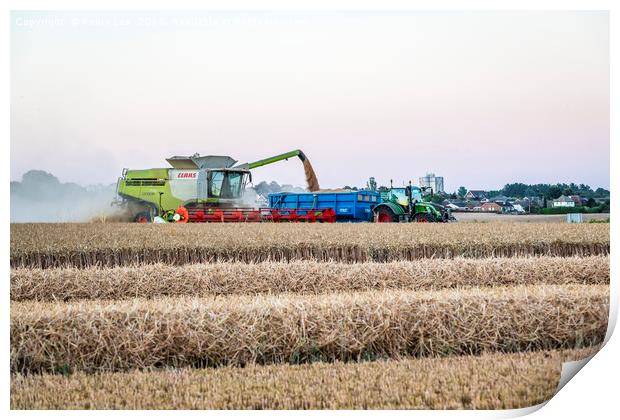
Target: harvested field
(84, 245)
(476, 315)
(493, 381)
(203, 280)
(238, 330)
(477, 217)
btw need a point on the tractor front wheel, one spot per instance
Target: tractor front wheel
(423, 218)
(385, 215)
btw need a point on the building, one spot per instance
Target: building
(455, 204)
(506, 207)
(432, 181)
(473, 206)
(578, 200)
(564, 201)
(531, 202)
(500, 199)
(477, 195)
(491, 207)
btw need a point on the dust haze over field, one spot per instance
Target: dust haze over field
(41, 197)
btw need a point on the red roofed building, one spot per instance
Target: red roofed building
(492, 207)
(577, 200)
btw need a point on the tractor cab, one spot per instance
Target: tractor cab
(401, 195)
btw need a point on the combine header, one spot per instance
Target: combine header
(241, 215)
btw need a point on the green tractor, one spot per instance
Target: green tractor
(406, 204)
(198, 183)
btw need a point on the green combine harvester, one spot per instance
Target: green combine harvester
(198, 183)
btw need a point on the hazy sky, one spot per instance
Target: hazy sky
(482, 98)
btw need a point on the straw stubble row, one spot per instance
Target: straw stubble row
(236, 330)
(83, 245)
(148, 281)
(492, 381)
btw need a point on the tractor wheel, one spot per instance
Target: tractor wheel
(144, 217)
(385, 215)
(423, 218)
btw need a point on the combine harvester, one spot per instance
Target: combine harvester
(206, 189)
(210, 189)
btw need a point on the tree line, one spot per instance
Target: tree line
(549, 191)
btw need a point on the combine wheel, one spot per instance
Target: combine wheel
(144, 217)
(385, 215)
(423, 218)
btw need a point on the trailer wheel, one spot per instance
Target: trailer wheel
(144, 217)
(423, 218)
(385, 215)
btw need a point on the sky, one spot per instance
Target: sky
(480, 98)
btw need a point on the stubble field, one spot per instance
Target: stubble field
(302, 316)
(481, 217)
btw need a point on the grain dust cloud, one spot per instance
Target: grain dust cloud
(311, 180)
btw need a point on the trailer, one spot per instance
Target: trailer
(348, 206)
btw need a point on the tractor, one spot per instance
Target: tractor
(406, 204)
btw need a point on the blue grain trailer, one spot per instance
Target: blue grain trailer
(350, 206)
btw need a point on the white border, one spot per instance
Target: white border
(592, 393)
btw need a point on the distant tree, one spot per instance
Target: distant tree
(550, 191)
(262, 188)
(461, 192)
(494, 193)
(38, 184)
(453, 196)
(586, 191)
(517, 189)
(274, 187)
(530, 191)
(591, 202)
(601, 193)
(42, 178)
(16, 187)
(554, 192)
